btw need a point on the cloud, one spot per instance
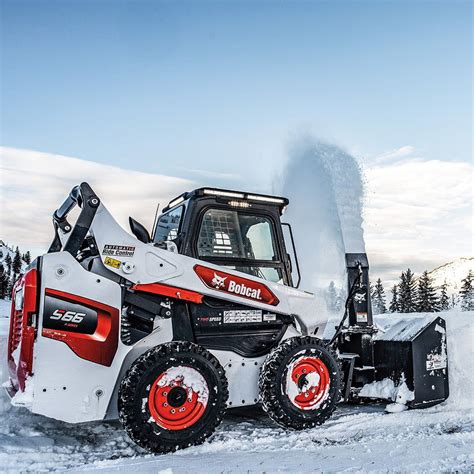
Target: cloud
(417, 213)
(398, 155)
(34, 184)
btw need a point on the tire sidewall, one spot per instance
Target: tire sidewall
(135, 414)
(272, 383)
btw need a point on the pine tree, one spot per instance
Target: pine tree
(11, 284)
(378, 298)
(339, 303)
(8, 261)
(394, 307)
(3, 282)
(444, 297)
(16, 267)
(467, 293)
(454, 301)
(371, 290)
(407, 292)
(27, 257)
(331, 296)
(427, 300)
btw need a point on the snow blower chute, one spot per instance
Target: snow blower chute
(167, 332)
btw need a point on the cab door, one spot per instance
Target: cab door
(243, 240)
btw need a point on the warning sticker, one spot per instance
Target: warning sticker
(118, 250)
(361, 317)
(435, 362)
(243, 316)
(269, 317)
(111, 262)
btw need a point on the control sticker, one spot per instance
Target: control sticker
(118, 250)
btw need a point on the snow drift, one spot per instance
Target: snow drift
(355, 438)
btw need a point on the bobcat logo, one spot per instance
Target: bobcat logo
(359, 297)
(218, 281)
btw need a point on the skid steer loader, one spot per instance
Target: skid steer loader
(167, 332)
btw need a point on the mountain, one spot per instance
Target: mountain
(452, 273)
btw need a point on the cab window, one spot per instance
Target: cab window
(241, 241)
(167, 227)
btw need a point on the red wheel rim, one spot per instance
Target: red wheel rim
(308, 383)
(178, 398)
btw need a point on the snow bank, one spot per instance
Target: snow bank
(24, 399)
(386, 389)
(460, 338)
(5, 306)
(356, 438)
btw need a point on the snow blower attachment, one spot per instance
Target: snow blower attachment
(165, 332)
(406, 364)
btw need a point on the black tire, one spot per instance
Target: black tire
(140, 390)
(273, 383)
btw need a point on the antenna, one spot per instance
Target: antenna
(155, 221)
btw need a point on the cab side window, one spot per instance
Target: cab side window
(167, 227)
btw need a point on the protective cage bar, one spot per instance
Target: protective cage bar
(83, 196)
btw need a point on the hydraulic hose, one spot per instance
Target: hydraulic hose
(350, 297)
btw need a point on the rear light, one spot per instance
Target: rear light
(242, 204)
(22, 328)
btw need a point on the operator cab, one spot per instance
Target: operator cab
(238, 230)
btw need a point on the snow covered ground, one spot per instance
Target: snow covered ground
(357, 438)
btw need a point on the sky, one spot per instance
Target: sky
(212, 93)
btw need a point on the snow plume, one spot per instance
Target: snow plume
(324, 185)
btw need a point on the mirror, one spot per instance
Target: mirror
(139, 231)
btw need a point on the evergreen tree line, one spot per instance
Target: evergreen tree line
(10, 270)
(410, 295)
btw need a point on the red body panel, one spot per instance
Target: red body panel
(22, 332)
(171, 291)
(99, 347)
(236, 285)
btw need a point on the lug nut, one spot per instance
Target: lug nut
(173, 410)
